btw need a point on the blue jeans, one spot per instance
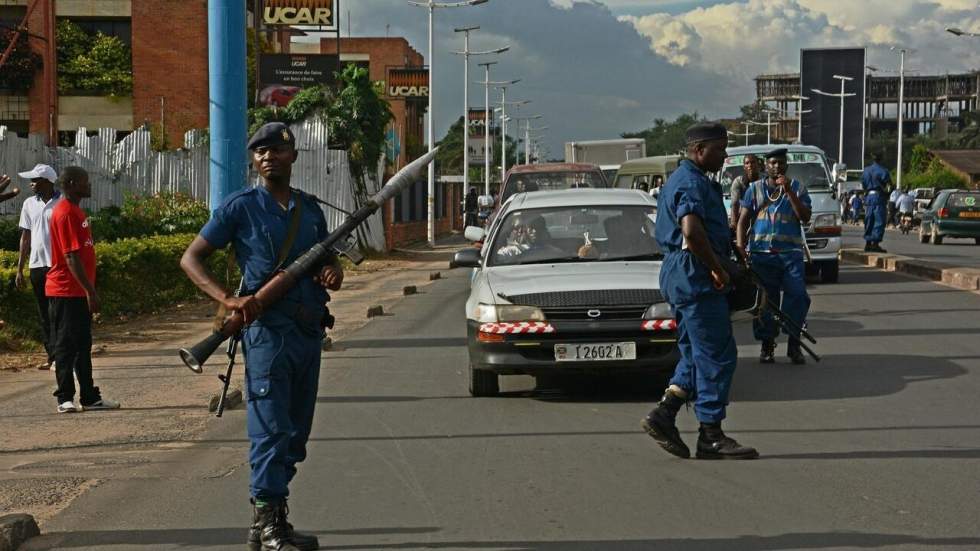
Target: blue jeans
(282, 374)
(781, 273)
(875, 214)
(708, 354)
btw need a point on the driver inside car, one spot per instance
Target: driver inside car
(524, 236)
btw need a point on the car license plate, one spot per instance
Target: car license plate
(595, 352)
(970, 214)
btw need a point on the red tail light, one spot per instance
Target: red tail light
(943, 213)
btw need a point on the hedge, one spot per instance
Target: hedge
(133, 276)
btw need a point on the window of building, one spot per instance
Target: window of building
(121, 28)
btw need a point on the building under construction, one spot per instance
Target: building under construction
(930, 102)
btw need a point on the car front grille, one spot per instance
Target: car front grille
(584, 300)
(605, 313)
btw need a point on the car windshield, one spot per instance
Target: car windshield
(964, 200)
(812, 175)
(575, 234)
(551, 181)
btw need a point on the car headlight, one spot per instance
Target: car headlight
(826, 220)
(490, 313)
(658, 311)
(510, 312)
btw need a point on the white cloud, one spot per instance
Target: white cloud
(763, 36)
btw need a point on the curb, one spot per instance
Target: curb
(960, 277)
(15, 529)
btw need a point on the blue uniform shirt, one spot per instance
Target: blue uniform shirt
(776, 227)
(689, 191)
(875, 177)
(257, 225)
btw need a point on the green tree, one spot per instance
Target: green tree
(19, 70)
(666, 137)
(98, 64)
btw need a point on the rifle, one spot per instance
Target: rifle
(284, 280)
(226, 378)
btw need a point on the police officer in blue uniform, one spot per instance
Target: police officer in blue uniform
(875, 180)
(778, 205)
(693, 231)
(282, 342)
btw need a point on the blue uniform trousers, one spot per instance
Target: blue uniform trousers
(282, 374)
(708, 354)
(781, 272)
(875, 214)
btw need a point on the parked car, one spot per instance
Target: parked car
(808, 164)
(567, 281)
(952, 213)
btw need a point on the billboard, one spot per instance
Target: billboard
(320, 13)
(408, 82)
(281, 76)
(822, 126)
(477, 126)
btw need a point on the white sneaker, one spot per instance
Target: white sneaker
(102, 404)
(67, 407)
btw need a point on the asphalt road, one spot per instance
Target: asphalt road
(876, 447)
(958, 252)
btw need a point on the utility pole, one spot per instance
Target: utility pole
(466, 53)
(227, 83)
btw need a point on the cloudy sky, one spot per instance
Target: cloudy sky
(596, 68)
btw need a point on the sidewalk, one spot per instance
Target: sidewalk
(47, 459)
(961, 277)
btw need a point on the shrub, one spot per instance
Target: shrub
(133, 276)
(9, 234)
(937, 175)
(161, 214)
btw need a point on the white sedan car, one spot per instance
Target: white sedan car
(567, 280)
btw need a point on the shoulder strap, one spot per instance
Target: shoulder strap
(294, 219)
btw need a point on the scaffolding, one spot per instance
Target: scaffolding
(930, 102)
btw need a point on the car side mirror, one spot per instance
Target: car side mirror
(485, 201)
(466, 258)
(474, 234)
(839, 172)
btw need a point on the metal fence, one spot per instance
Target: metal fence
(130, 167)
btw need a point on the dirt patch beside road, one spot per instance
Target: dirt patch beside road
(164, 403)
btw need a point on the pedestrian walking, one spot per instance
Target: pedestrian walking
(892, 204)
(857, 203)
(875, 181)
(470, 207)
(72, 297)
(35, 245)
(774, 209)
(269, 226)
(692, 229)
(750, 173)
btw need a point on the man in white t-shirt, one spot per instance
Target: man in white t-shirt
(35, 243)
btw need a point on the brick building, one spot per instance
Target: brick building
(169, 58)
(406, 215)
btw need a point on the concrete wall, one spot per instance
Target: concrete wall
(95, 112)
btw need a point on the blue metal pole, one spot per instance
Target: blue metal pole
(227, 82)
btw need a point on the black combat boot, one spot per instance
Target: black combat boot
(867, 247)
(271, 531)
(768, 354)
(713, 444)
(661, 425)
(795, 353)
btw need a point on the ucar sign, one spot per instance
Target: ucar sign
(300, 12)
(408, 82)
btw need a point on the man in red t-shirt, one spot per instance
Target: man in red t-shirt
(72, 298)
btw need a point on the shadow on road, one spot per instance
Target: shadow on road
(837, 377)
(234, 536)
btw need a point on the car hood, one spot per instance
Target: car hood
(585, 276)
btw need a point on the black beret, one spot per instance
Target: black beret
(706, 132)
(271, 134)
(781, 152)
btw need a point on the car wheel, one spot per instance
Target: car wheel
(923, 238)
(483, 383)
(935, 238)
(829, 272)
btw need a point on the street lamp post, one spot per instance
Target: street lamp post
(503, 126)
(527, 131)
(901, 117)
(960, 32)
(431, 5)
(486, 128)
(466, 53)
(799, 116)
(841, 95)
